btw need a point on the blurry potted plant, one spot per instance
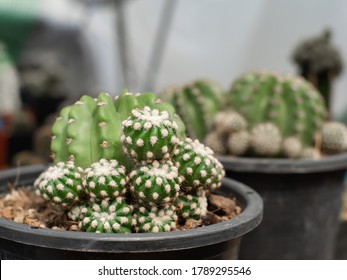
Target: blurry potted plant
(319, 62)
(126, 177)
(196, 103)
(276, 137)
(10, 103)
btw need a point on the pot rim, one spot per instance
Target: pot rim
(283, 165)
(246, 221)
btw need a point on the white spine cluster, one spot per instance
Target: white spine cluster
(155, 182)
(266, 139)
(149, 134)
(106, 179)
(61, 183)
(105, 216)
(154, 219)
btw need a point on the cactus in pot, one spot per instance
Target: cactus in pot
(271, 108)
(146, 177)
(275, 115)
(320, 62)
(333, 137)
(287, 101)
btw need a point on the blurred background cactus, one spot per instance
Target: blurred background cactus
(10, 102)
(196, 103)
(287, 101)
(320, 62)
(275, 115)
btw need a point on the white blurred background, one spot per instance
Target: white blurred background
(216, 39)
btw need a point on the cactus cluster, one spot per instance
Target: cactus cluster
(90, 129)
(275, 115)
(196, 103)
(168, 168)
(287, 101)
(146, 177)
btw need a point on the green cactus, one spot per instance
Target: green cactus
(198, 166)
(61, 184)
(106, 179)
(125, 102)
(155, 182)
(149, 134)
(333, 136)
(90, 129)
(266, 139)
(107, 216)
(196, 103)
(289, 102)
(84, 136)
(154, 219)
(79, 132)
(192, 206)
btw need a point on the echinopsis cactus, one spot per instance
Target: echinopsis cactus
(149, 134)
(238, 142)
(90, 129)
(138, 179)
(108, 216)
(292, 147)
(333, 138)
(62, 184)
(155, 183)
(154, 219)
(289, 102)
(105, 179)
(196, 103)
(319, 62)
(265, 139)
(198, 166)
(192, 206)
(229, 121)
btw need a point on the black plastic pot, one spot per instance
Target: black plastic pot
(302, 202)
(218, 241)
(341, 242)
